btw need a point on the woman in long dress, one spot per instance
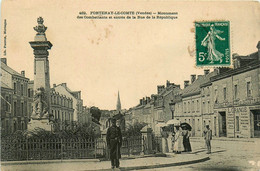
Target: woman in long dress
(209, 42)
(178, 141)
(164, 140)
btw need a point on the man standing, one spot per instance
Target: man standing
(208, 137)
(114, 142)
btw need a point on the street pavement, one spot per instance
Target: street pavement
(227, 154)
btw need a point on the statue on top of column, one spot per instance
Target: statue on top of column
(40, 28)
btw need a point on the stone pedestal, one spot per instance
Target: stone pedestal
(146, 140)
(41, 123)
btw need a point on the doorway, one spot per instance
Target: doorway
(222, 124)
(256, 123)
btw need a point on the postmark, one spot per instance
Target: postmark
(212, 43)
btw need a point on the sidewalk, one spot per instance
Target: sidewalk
(147, 162)
(227, 139)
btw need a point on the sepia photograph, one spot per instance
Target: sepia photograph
(130, 85)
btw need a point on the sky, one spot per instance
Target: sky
(102, 57)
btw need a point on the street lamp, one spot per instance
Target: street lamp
(172, 107)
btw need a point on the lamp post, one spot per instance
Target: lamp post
(172, 107)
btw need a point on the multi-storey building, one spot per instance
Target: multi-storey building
(236, 95)
(62, 110)
(195, 106)
(62, 89)
(14, 98)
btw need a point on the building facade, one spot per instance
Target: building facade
(15, 101)
(237, 97)
(62, 89)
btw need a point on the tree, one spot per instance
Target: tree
(95, 113)
(134, 130)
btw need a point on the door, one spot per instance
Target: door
(222, 124)
(256, 114)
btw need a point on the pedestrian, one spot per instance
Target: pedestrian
(186, 140)
(114, 142)
(208, 138)
(164, 140)
(178, 141)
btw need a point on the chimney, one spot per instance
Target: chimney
(54, 85)
(160, 88)
(64, 84)
(192, 78)
(141, 101)
(186, 83)
(258, 47)
(168, 83)
(206, 71)
(144, 101)
(23, 73)
(4, 60)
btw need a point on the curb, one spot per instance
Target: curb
(224, 139)
(161, 165)
(6, 163)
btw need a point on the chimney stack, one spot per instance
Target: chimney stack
(206, 71)
(4, 60)
(23, 73)
(160, 88)
(168, 83)
(192, 78)
(64, 84)
(141, 101)
(186, 83)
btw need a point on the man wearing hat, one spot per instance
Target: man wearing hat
(208, 137)
(114, 142)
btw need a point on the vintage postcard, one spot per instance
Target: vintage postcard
(130, 85)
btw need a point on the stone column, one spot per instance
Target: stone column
(41, 100)
(146, 140)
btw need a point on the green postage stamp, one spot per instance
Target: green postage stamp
(212, 43)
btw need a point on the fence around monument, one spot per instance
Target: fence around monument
(68, 148)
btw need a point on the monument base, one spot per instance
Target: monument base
(41, 123)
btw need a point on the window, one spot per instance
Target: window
(22, 90)
(198, 128)
(15, 108)
(7, 107)
(198, 105)
(22, 109)
(185, 107)
(203, 107)
(235, 91)
(29, 94)
(188, 107)
(193, 107)
(237, 123)
(15, 88)
(216, 96)
(248, 89)
(225, 93)
(209, 107)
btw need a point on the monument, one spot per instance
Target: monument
(41, 117)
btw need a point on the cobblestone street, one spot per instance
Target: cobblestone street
(226, 155)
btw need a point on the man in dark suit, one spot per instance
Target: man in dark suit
(114, 142)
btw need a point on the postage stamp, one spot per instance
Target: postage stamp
(212, 43)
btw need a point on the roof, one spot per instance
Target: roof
(3, 85)
(10, 70)
(194, 88)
